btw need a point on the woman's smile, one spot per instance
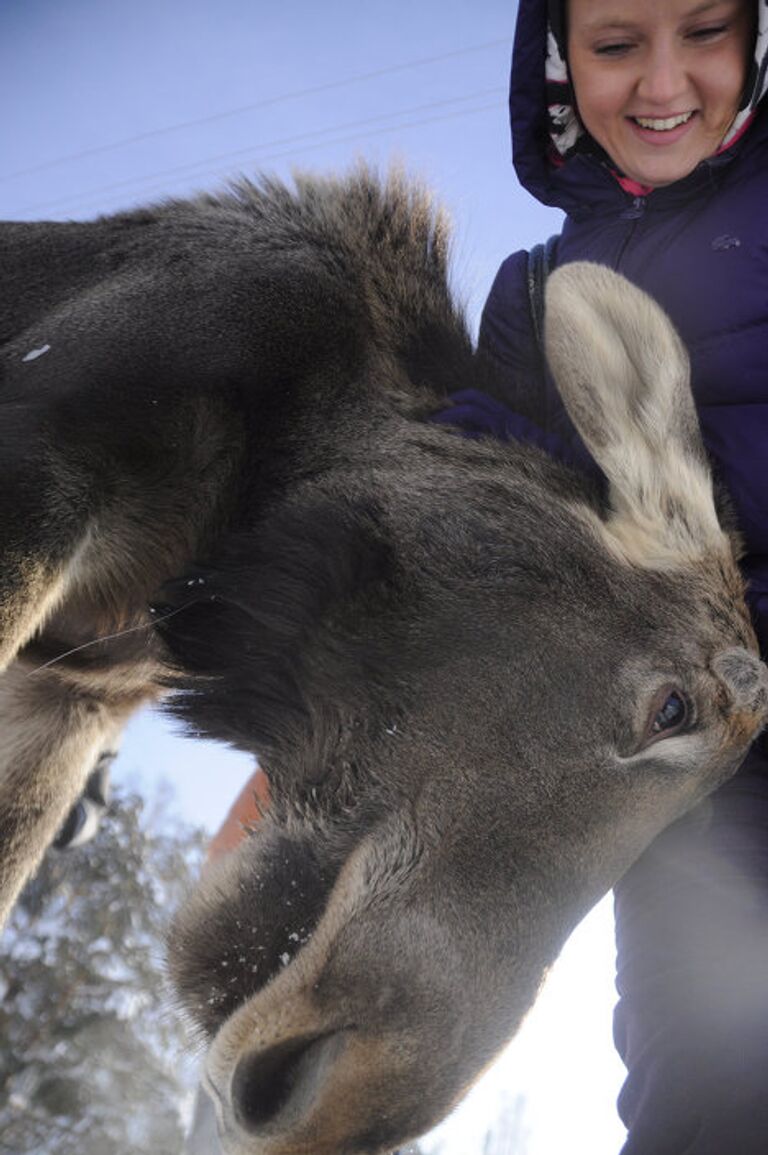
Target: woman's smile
(663, 131)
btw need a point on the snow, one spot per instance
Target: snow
(33, 354)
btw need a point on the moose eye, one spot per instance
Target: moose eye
(670, 717)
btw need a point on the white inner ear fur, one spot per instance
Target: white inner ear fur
(623, 374)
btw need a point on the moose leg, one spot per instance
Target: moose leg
(51, 735)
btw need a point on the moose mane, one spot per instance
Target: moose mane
(388, 243)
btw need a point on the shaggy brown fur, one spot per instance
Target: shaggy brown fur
(478, 685)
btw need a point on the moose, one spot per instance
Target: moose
(479, 681)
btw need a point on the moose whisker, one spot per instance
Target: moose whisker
(108, 638)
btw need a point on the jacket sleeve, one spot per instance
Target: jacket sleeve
(507, 346)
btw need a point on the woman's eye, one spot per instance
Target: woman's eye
(710, 33)
(618, 49)
(672, 715)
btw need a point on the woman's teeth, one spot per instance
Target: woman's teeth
(662, 125)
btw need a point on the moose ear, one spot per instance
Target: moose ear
(623, 375)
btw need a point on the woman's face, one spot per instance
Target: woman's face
(658, 82)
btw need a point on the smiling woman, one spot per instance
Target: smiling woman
(659, 83)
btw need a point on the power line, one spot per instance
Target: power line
(253, 150)
(266, 103)
(222, 174)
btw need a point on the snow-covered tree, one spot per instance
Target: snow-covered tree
(91, 1053)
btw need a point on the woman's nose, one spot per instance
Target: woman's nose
(664, 79)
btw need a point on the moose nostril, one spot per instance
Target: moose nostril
(279, 1084)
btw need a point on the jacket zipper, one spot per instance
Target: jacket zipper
(633, 213)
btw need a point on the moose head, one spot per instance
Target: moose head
(480, 683)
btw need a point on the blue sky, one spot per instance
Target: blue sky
(110, 103)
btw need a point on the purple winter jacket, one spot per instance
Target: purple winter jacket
(699, 247)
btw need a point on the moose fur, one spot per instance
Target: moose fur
(479, 684)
